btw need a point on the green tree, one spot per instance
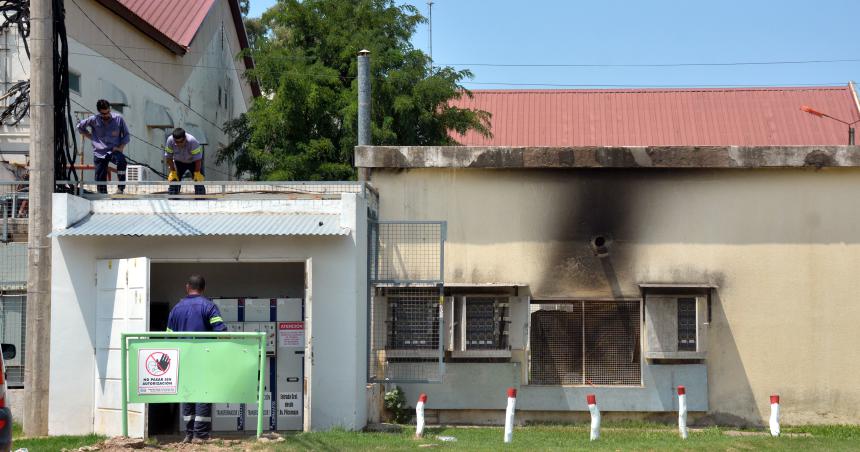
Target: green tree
(304, 127)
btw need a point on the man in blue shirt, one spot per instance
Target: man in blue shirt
(183, 153)
(196, 313)
(109, 134)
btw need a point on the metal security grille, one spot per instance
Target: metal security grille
(405, 295)
(413, 320)
(486, 323)
(405, 334)
(14, 211)
(585, 343)
(687, 324)
(13, 266)
(13, 310)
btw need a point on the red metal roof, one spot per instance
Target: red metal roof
(179, 20)
(663, 117)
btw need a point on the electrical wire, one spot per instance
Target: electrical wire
(557, 85)
(18, 106)
(65, 142)
(16, 12)
(656, 65)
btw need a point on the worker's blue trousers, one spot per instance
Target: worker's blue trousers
(198, 419)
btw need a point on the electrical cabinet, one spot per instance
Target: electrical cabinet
(282, 319)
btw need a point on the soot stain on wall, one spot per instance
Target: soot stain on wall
(601, 203)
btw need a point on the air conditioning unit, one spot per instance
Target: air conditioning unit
(137, 173)
(676, 326)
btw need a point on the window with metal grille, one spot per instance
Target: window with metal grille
(413, 320)
(585, 343)
(486, 323)
(686, 324)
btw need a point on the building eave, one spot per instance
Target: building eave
(243, 42)
(122, 11)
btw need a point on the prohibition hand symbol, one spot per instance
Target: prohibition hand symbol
(163, 363)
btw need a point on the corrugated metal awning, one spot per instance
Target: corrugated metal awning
(191, 224)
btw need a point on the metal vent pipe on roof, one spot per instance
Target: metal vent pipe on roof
(364, 137)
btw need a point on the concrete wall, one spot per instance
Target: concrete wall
(781, 245)
(335, 311)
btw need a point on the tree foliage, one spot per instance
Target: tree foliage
(304, 127)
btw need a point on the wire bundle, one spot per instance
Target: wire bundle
(18, 106)
(16, 12)
(65, 142)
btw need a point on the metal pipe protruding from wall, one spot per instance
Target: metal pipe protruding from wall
(364, 90)
(509, 414)
(774, 415)
(682, 412)
(419, 415)
(595, 416)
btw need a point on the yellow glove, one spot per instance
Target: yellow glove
(172, 177)
(198, 176)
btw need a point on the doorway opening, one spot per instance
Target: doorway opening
(252, 296)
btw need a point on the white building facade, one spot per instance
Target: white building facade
(109, 277)
(159, 69)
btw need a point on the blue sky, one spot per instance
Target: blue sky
(468, 33)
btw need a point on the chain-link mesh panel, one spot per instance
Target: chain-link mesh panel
(407, 252)
(13, 266)
(612, 343)
(14, 211)
(13, 310)
(405, 334)
(556, 344)
(585, 343)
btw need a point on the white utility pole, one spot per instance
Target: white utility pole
(37, 346)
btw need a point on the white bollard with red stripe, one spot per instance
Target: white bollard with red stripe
(595, 416)
(682, 412)
(774, 415)
(509, 415)
(419, 415)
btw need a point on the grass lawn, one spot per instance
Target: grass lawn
(613, 437)
(53, 443)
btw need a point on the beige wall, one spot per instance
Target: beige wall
(782, 246)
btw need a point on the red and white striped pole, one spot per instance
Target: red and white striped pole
(682, 412)
(419, 415)
(509, 415)
(774, 415)
(595, 416)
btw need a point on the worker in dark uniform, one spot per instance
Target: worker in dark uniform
(196, 313)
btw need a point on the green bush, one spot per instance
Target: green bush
(395, 403)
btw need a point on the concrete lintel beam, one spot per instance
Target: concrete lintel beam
(607, 157)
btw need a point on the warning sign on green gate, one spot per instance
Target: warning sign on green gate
(157, 371)
(194, 370)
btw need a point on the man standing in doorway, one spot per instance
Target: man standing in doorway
(183, 153)
(109, 134)
(196, 313)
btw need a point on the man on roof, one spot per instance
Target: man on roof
(183, 154)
